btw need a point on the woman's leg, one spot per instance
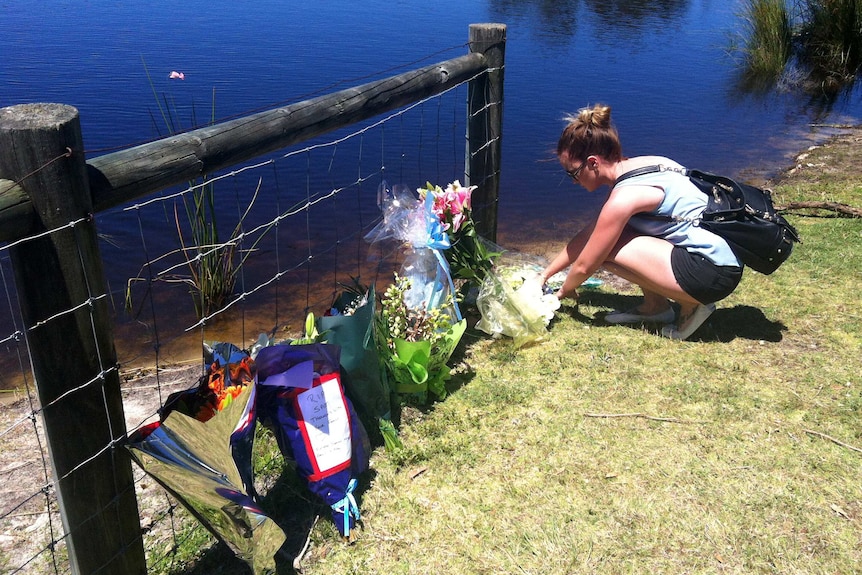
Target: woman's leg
(645, 261)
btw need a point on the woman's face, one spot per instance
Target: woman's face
(576, 169)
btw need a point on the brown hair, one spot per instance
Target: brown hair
(590, 133)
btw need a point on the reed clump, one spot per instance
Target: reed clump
(822, 39)
(212, 262)
(770, 40)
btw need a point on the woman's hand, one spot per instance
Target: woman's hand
(562, 294)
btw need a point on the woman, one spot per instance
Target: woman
(641, 233)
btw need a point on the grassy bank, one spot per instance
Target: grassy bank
(609, 449)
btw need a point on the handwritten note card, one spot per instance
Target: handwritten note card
(326, 424)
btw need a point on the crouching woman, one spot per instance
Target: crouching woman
(644, 231)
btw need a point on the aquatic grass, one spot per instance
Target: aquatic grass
(213, 264)
(822, 37)
(769, 43)
(831, 34)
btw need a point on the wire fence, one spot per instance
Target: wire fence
(286, 231)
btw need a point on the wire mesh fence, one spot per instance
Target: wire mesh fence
(231, 255)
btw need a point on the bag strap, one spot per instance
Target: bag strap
(649, 170)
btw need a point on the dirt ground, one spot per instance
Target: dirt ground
(26, 527)
(839, 157)
(25, 524)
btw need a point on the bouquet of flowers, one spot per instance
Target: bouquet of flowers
(421, 323)
(302, 400)
(417, 341)
(200, 452)
(470, 256)
(512, 302)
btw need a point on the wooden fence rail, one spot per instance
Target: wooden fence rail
(46, 184)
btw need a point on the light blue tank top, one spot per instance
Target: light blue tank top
(682, 201)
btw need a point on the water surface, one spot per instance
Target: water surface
(663, 65)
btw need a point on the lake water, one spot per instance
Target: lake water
(663, 65)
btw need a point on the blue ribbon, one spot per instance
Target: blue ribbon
(438, 240)
(347, 506)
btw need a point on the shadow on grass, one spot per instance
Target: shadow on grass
(291, 507)
(725, 324)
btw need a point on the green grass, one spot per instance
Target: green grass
(609, 449)
(522, 475)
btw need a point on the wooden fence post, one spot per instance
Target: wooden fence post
(485, 126)
(62, 294)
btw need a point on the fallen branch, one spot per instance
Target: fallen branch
(833, 440)
(14, 467)
(640, 415)
(840, 208)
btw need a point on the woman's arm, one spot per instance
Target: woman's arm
(569, 253)
(590, 248)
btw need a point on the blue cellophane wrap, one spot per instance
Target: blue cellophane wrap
(206, 466)
(283, 373)
(411, 221)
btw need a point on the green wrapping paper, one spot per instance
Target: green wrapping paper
(364, 381)
(416, 367)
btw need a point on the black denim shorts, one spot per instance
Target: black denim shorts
(702, 279)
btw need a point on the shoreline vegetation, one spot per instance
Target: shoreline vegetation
(813, 45)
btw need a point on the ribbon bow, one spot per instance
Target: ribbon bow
(347, 506)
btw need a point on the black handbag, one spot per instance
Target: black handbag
(743, 215)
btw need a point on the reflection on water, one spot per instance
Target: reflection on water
(559, 20)
(636, 14)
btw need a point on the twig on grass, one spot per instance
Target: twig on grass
(640, 415)
(833, 440)
(837, 207)
(297, 561)
(14, 467)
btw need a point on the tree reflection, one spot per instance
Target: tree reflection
(636, 14)
(559, 18)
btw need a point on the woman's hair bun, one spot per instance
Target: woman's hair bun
(598, 116)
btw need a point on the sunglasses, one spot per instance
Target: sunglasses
(576, 172)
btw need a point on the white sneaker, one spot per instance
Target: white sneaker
(633, 316)
(694, 321)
